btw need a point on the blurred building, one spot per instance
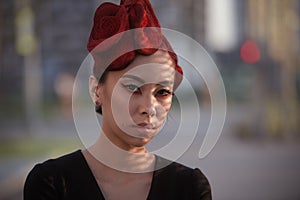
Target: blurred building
(59, 31)
(39, 40)
(187, 17)
(275, 26)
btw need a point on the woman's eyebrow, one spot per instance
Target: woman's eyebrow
(163, 83)
(134, 78)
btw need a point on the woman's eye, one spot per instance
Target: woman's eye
(132, 87)
(164, 92)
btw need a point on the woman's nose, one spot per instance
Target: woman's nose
(147, 105)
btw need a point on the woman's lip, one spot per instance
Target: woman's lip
(144, 130)
(145, 125)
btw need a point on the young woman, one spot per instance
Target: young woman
(134, 95)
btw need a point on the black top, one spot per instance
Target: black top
(69, 178)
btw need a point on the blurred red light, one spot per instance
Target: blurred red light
(250, 52)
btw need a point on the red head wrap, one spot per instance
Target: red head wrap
(112, 20)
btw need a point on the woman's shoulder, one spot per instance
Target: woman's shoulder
(166, 166)
(50, 176)
(56, 165)
(64, 160)
(189, 183)
(68, 163)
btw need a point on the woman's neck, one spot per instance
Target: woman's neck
(112, 156)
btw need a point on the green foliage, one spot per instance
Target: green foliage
(35, 147)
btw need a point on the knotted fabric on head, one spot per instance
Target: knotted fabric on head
(111, 23)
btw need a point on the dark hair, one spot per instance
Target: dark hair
(102, 80)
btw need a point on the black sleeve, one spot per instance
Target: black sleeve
(200, 188)
(41, 184)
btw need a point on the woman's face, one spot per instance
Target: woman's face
(135, 101)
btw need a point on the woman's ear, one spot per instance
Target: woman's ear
(95, 90)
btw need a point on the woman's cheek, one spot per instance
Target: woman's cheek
(167, 104)
(163, 110)
(120, 105)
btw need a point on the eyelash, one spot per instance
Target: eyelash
(129, 87)
(163, 92)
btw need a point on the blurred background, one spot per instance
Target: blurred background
(255, 44)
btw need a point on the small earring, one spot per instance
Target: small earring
(97, 103)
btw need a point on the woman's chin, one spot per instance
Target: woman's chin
(139, 142)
